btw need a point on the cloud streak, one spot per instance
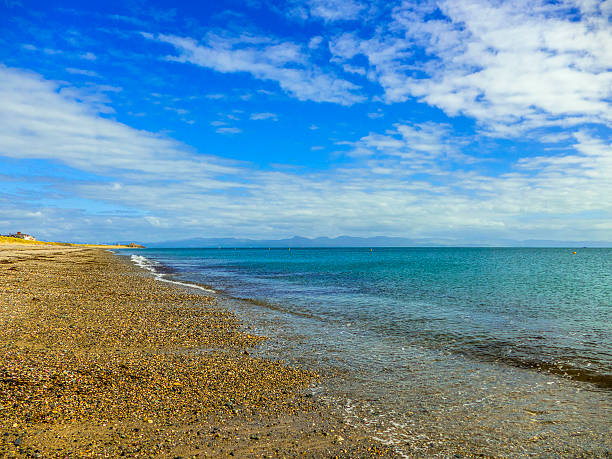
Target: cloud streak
(45, 121)
(283, 62)
(335, 10)
(410, 181)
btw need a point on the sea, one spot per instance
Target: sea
(446, 352)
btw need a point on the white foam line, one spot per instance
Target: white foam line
(210, 290)
(149, 265)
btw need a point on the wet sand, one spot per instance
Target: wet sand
(99, 359)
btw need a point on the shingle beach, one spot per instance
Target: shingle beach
(99, 359)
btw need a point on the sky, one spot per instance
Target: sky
(470, 121)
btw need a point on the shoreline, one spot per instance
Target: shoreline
(98, 358)
(450, 403)
(144, 263)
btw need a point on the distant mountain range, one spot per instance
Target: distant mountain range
(296, 241)
(350, 241)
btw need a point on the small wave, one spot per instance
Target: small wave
(143, 262)
(154, 267)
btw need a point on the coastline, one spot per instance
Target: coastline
(99, 358)
(422, 401)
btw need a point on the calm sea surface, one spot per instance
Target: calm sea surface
(498, 351)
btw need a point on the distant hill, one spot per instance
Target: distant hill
(350, 241)
(296, 241)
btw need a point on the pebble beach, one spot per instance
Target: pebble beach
(98, 359)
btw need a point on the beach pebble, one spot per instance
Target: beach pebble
(109, 349)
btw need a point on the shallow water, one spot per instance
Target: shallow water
(492, 351)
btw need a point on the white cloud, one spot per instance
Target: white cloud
(89, 56)
(354, 69)
(335, 10)
(422, 148)
(391, 188)
(82, 72)
(158, 222)
(264, 116)
(510, 65)
(284, 62)
(314, 42)
(228, 130)
(178, 111)
(40, 122)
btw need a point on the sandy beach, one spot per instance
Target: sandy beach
(99, 359)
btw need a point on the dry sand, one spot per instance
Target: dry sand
(99, 359)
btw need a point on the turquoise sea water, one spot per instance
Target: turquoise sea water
(434, 349)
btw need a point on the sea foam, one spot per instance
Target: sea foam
(150, 265)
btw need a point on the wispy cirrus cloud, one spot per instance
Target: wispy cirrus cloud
(284, 62)
(264, 116)
(228, 130)
(83, 72)
(43, 120)
(89, 56)
(421, 146)
(335, 10)
(326, 11)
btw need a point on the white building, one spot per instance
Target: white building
(24, 236)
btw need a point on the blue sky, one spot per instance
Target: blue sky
(471, 121)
